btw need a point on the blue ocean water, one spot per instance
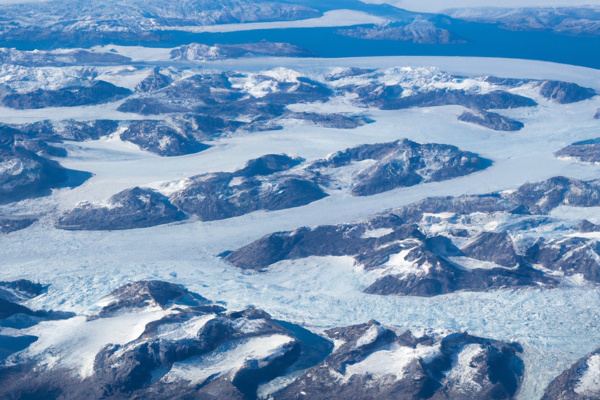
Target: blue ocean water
(483, 40)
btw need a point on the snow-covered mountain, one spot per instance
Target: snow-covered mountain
(582, 20)
(48, 18)
(417, 31)
(469, 243)
(155, 340)
(193, 222)
(202, 52)
(581, 381)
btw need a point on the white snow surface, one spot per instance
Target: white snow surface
(369, 336)
(184, 330)
(471, 263)
(74, 343)
(397, 264)
(390, 361)
(556, 327)
(377, 233)
(227, 359)
(462, 376)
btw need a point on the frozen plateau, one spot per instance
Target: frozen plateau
(255, 220)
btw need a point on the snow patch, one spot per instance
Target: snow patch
(185, 330)
(463, 375)
(370, 336)
(471, 263)
(377, 233)
(397, 264)
(337, 343)
(391, 361)
(589, 384)
(170, 187)
(74, 343)
(227, 359)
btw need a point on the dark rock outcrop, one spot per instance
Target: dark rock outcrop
(417, 31)
(161, 138)
(155, 81)
(207, 127)
(337, 121)
(59, 59)
(147, 294)
(21, 290)
(273, 182)
(217, 106)
(320, 241)
(587, 151)
(268, 165)
(498, 99)
(491, 120)
(97, 92)
(572, 255)
(543, 197)
(566, 20)
(202, 93)
(444, 278)
(565, 92)
(494, 247)
(587, 226)
(25, 174)
(263, 184)
(193, 331)
(38, 133)
(66, 26)
(427, 262)
(8, 225)
(217, 196)
(80, 131)
(401, 163)
(129, 209)
(150, 106)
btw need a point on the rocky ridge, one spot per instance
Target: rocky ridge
(194, 348)
(24, 173)
(441, 245)
(57, 20)
(580, 381)
(202, 52)
(417, 31)
(583, 21)
(586, 151)
(276, 182)
(491, 120)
